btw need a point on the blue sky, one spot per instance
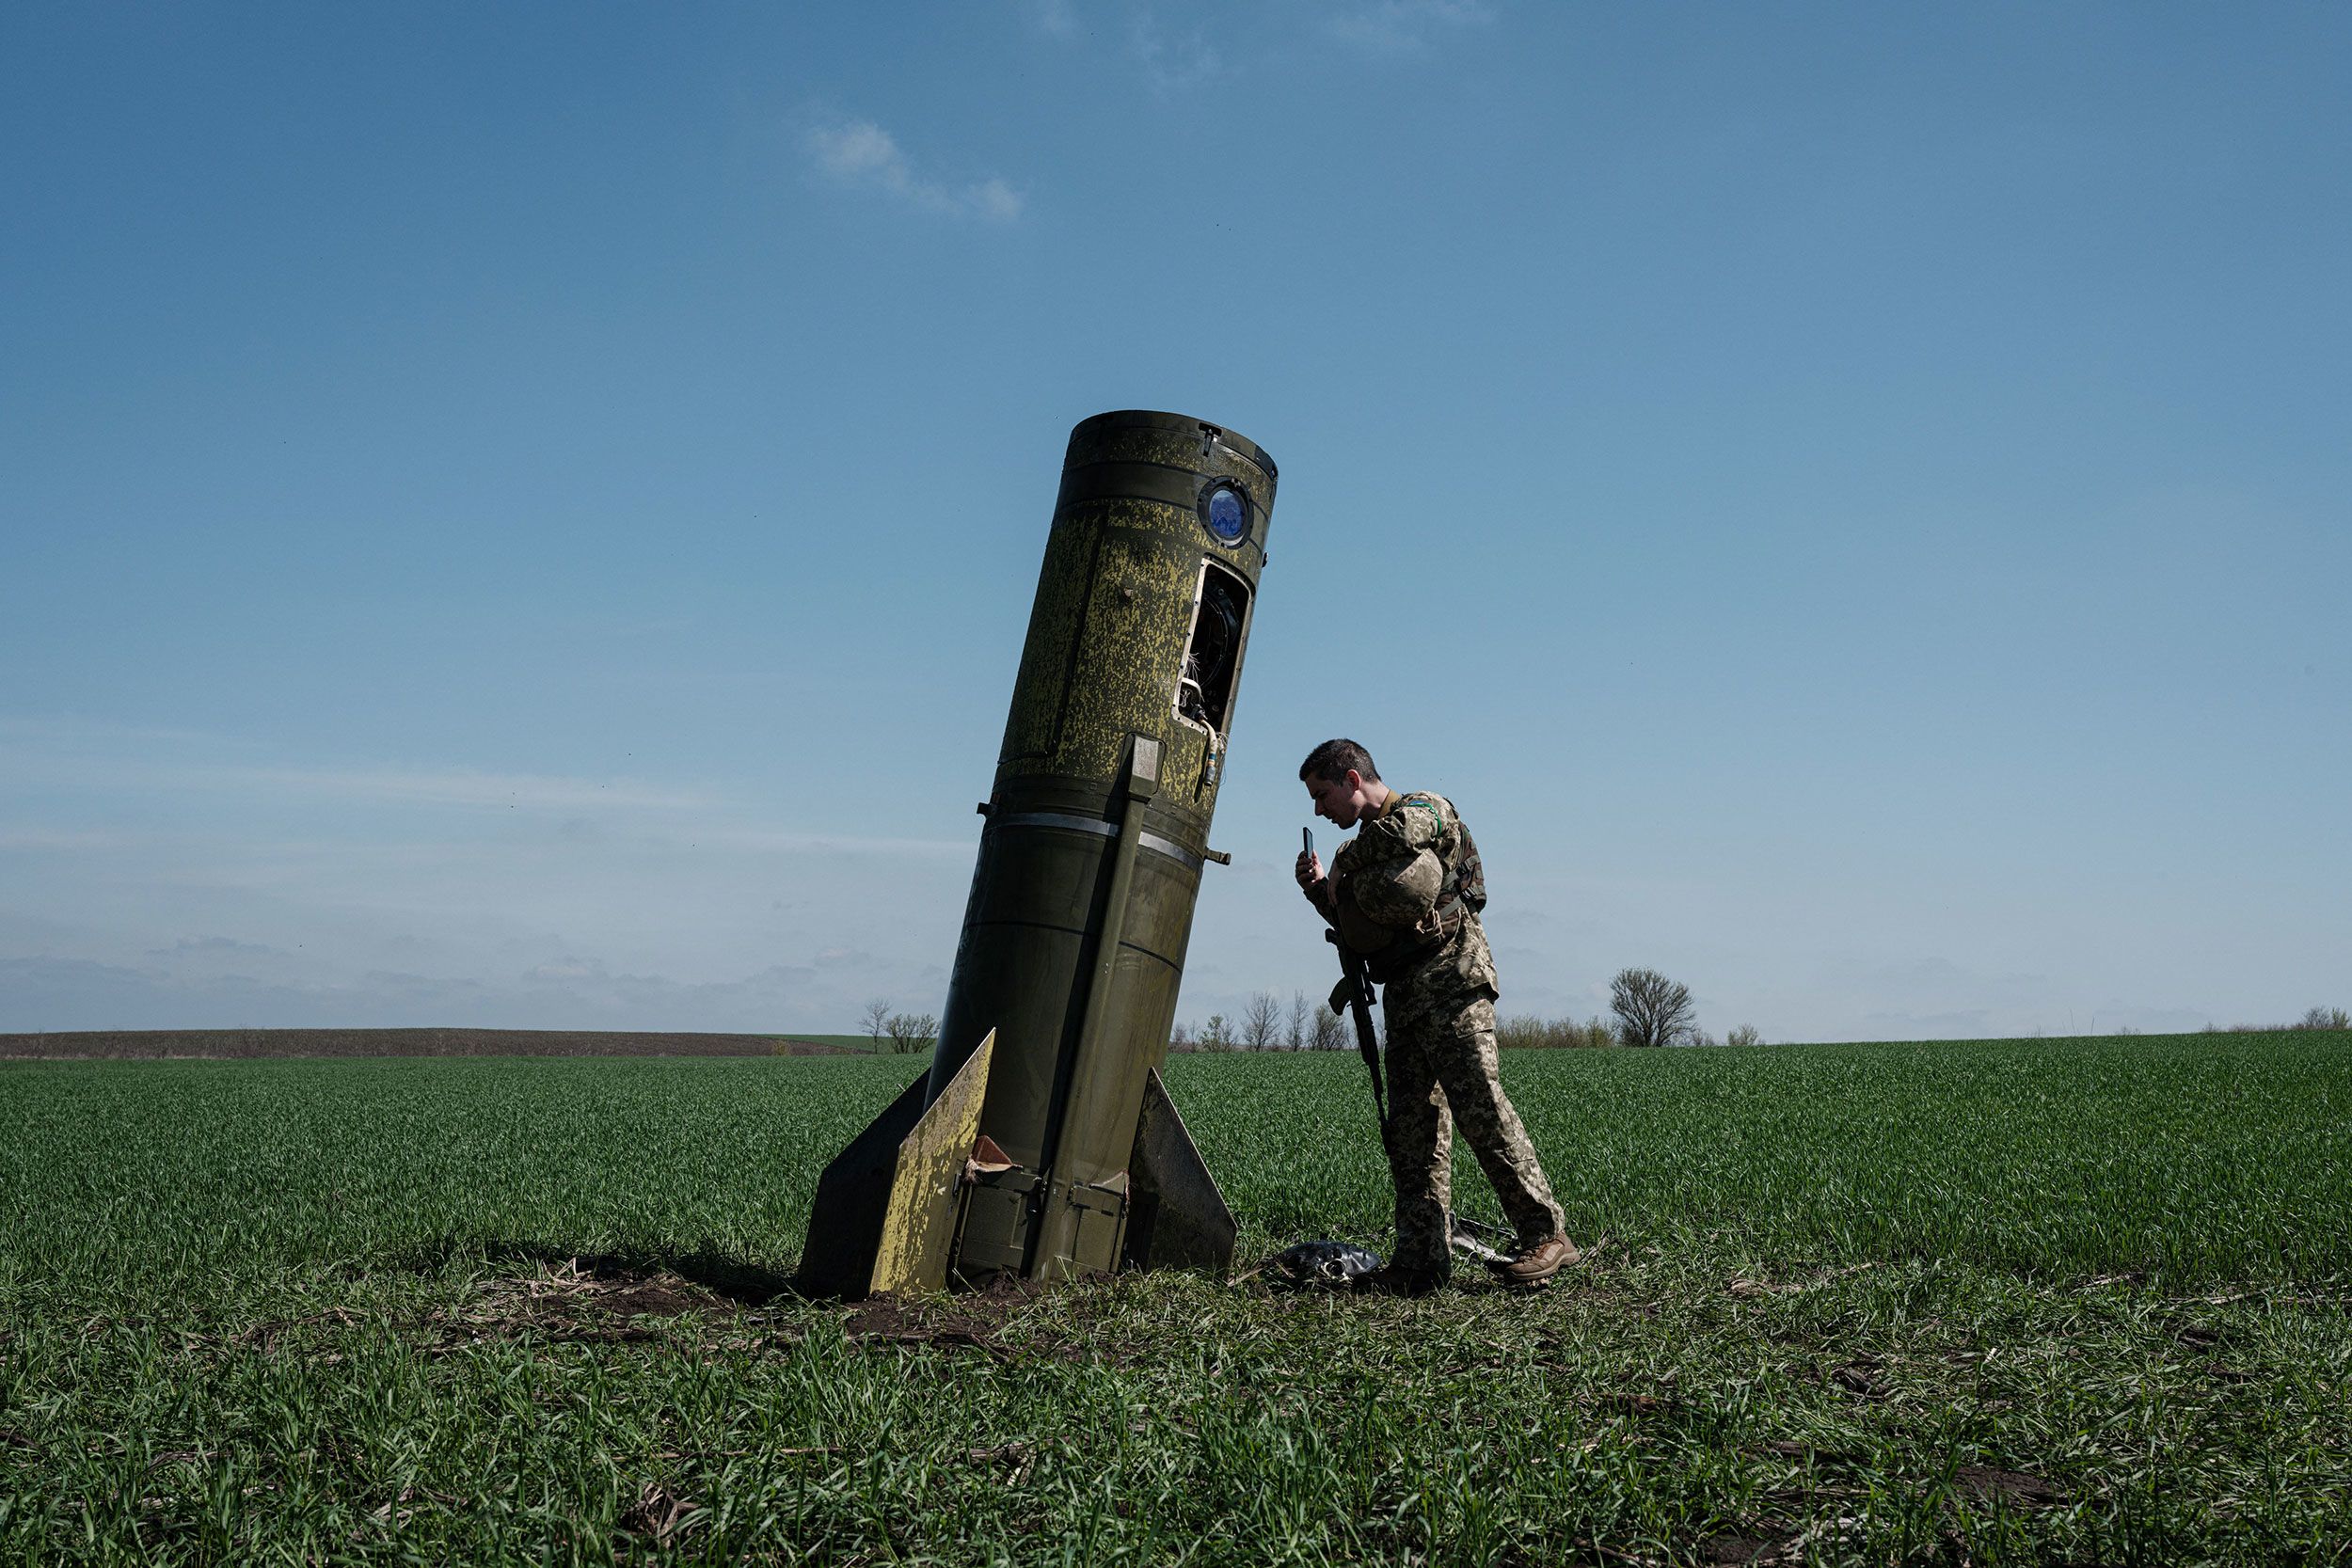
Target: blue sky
(524, 515)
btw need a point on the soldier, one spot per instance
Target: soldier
(1405, 892)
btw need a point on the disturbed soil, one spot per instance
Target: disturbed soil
(615, 1300)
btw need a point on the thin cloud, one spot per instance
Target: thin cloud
(94, 760)
(1054, 18)
(860, 154)
(1400, 27)
(446, 788)
(28, 727)
(1176, 52)
(1175, 60)
(757, 840)
(215, 947)
(1174, 56)
(41, 840)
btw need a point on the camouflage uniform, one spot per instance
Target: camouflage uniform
(1413, 871)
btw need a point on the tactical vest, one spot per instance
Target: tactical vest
(1466, 879)
(1461, 895)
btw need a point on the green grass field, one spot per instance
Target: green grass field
(289, 1044)
(2068, 1300)
(854, 1042)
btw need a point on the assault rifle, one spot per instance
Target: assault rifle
(1354, 995)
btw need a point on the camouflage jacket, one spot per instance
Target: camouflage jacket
(1410, 882)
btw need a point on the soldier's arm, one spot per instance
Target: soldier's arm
(1314, 885)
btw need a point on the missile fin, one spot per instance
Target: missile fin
(884, 1216)
(1178, 1218)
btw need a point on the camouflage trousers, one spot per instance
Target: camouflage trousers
(1442, 1069)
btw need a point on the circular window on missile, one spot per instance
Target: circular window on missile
(1226, 510)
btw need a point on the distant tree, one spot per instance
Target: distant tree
(1530, 1033)
(2325, 1017)
(1180, 1037)
(876, 1020)
(1216, 1035)
(1261, 1021)
(1744, 1034)
(1330, 1032)
(1521, 1031)
(1295, 1031)
(911, 1031)
(1650, 1009)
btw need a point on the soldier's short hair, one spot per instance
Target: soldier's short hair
(1335, 760)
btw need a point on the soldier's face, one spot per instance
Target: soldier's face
(1339, 800)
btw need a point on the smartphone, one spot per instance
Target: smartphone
(1306, 837)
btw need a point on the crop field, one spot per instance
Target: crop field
(267, 1044)
(2059, 1299)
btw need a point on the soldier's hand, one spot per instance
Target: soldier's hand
(1309, 869)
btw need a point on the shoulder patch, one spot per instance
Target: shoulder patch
(1418, 819)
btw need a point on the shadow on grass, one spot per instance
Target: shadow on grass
(734, 1279)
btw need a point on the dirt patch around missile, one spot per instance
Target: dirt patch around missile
(579, 1299)
(968, 1321)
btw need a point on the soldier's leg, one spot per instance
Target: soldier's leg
(1462, 1055)
(1419, 1143)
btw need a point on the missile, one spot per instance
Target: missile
(1041, 1143)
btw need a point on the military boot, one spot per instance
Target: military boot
(1532, 1266)
(1394, 1281)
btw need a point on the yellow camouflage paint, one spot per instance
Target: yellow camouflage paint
(1128, 645)
(918, 1227)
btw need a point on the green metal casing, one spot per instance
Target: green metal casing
(1097, 827)
(1042, 1142)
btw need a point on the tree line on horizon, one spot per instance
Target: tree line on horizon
(1649, 1010)
(1646, 1009)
